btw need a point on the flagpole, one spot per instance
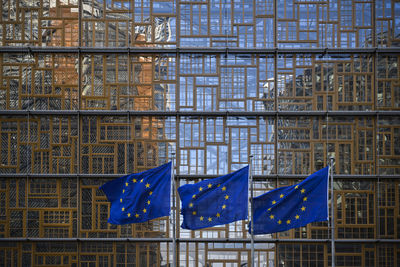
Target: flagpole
(332, 214)
(174, 213)
(252, 210)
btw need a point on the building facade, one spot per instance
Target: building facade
(92, 90)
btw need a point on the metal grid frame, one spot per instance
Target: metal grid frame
(178, 114)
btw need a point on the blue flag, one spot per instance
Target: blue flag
(292, 206)
(215, 201)
(139, 197)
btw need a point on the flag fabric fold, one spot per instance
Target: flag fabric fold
(139, 197)
(292, 206)
(215, 201)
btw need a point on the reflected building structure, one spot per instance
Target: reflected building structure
(92, 90)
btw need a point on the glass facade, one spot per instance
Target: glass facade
(92, 90)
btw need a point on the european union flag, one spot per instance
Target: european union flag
(292, 206)
(139, 197)
(215, 201)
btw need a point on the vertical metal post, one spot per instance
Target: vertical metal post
(377, 140)
(173, 213)
(332, 214)
(29, 168)
(78, 145)
(251, 210)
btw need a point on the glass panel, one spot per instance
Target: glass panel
(317, 24)
(387, 22)
(388, 219)
(39, 23)
(45, 145)
(388, 90)
(236, 23)
(355, 216)
(39, 208)
(337, 82)
(388, 150)
(40, 82)
(306, 255)
(233, 83)
(205, 145)
(126, 23)
(121, 145)
(303, 144)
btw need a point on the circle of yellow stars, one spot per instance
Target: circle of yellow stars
(148, 202)
(218, 214)
(297, 216)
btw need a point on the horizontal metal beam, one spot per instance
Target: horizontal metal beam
(187, 177)
(200, 50)
(295, 176)
(200, 113)
(199, 240)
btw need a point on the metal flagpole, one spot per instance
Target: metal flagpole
(252, 210)
(174, 213)
(332, 214)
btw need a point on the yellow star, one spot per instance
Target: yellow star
(297, 217)
(147, 185)
(288, 221)
(190, 205)
(123, 191)
(201, 189)
(218, 185)
(279, 222)
(194, 196)
(218, 215)
(209, 219)
(141, 181)
(134, 180)
(223, 207)
(129, 215)
(302, 191)
(194, 213)
(303, 208)
(282, 195)
(273, 202)
(269, 209)
(144, 210)
(223, 188)
(201, 218)
(148, 202)
(296, 187)
(272, 217)
(209, 185)
(150, 193)
(126, 184)
(304, 198)
(137, 215)
(226, 197)
(120, 200)
(123, 208)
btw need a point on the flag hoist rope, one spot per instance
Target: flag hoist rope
(252, 210)
(173, 213)
(332, 213)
